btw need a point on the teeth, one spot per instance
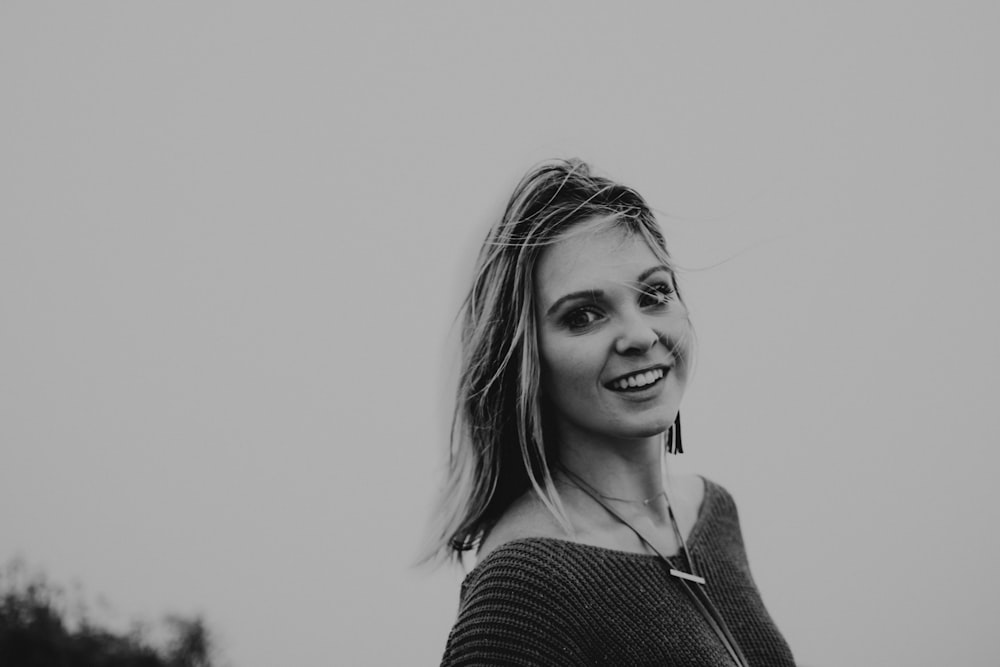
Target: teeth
(639, 379)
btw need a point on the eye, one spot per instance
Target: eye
(581, 318)
(657, 294)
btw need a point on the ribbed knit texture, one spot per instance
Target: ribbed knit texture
(551, 602)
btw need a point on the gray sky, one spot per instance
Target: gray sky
(233, 237)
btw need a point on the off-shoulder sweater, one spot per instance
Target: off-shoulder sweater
(552, 602)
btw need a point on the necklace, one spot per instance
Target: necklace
(601, 498)
(644, 503)
(699, 598)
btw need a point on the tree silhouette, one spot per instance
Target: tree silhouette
(38, 629)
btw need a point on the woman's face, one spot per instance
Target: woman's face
(613, 337)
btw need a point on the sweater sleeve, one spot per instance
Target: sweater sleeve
(513, 611)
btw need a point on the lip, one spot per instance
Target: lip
(639, 390)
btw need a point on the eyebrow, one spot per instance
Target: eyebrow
(589, 295)
(595, 294)
(648, 272)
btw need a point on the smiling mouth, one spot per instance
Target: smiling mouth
(637, 381)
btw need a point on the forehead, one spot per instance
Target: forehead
(594, 260)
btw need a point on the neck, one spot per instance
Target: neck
(631, 470)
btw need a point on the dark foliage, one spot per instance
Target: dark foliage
(36, 631)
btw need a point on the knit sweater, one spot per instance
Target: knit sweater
(545, 601)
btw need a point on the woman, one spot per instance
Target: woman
(577, 348)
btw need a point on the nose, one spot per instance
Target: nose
(637, 337)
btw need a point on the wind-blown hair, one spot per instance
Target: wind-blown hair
(498, 449)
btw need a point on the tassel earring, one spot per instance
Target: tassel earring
(674, 445)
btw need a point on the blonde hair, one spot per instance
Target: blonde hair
(497, 449)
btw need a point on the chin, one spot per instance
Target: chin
(656, 426)
(649, 429)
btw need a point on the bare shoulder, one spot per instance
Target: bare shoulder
(688, 490)
(526, 517)
(687, 493)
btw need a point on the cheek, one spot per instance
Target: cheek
(567, 369)
(680, 335)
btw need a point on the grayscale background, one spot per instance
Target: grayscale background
(234, 236)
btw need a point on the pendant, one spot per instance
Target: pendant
(690, 577)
